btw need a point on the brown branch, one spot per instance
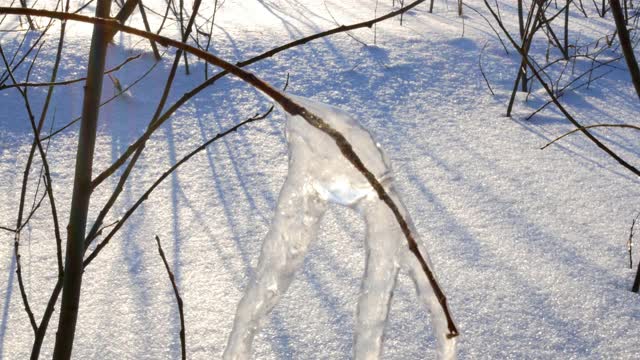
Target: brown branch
(590, 127)
(178, 299)
(293, 109)
(7, 229)
(46, 317)
(81, 194)
(267, 54)
(625, 43)
(154, 48)
(125, 11)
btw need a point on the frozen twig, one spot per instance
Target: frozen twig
(172, 278)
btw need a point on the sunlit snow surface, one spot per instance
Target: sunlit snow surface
(529, 245)
(318, 173)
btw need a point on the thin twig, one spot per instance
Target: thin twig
(161, 178)
(124, 90)
(68, 82)
(178, 299)
(482, 71)
(636, 283)
(7, 229)
(591, 127)
(630, 241)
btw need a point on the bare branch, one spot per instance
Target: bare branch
(558, 104)
(293, 109)
(591, 127)
(178, 299)
(187, 96)
(164, 175)
(69, 82)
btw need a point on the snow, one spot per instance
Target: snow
(528, 244)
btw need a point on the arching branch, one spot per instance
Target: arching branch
(287, 105)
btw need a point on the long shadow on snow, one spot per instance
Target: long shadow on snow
(473, 247)
(582, 157)
(124, 126)
(6, 305)
(282, 346)
(245, 145)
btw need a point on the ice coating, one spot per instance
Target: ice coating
(318, 173)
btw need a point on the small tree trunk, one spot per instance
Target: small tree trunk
(566, 30)
(625, 43)
(23, 3)
(521, 26)
(526, 44)
(123, 15)
(81, 190)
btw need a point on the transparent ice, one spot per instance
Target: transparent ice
(318, 173)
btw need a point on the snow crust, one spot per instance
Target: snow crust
(529, 245)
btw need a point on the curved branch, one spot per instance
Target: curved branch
(290, 107)
(267, 54)
(590, 127)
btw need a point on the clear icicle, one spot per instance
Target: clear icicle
(318, 173)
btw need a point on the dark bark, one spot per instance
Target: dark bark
(625, 43)
(530, 31)
(566, 30)
(521, 27)
(176, 292)
(636, 282)
(122, 16)
(81, 189)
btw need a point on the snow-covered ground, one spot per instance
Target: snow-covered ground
(528, 244)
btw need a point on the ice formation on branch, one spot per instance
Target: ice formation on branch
(318, 173)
